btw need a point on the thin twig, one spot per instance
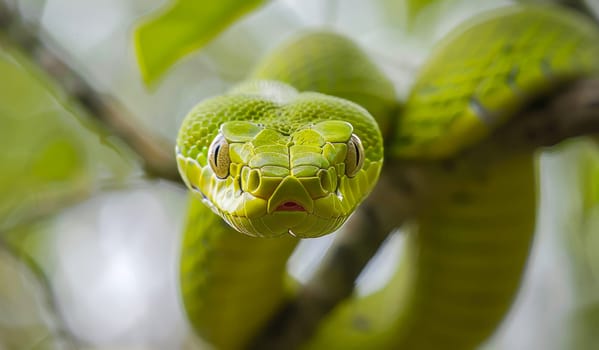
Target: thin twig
(156, 154)
(57, 327)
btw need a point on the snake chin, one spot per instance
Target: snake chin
(295, 222)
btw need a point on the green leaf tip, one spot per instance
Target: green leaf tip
(187, 25)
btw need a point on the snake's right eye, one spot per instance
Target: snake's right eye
(355, 156)
(218, 156)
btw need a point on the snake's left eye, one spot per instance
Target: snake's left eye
(218, 156)
(355, 156)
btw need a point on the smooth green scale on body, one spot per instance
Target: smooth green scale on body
(272, 158)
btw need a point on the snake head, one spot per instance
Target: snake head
(299, 166)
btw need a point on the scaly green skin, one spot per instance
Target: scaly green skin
(473, 222)
(486, 70)
(333, 65)
(283, 147)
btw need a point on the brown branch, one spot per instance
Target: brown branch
(156, 154)
(580, 6)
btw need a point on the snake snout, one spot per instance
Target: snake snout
(290, 195)
(289, 190)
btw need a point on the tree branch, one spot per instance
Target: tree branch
(156, 154)
(580, 6)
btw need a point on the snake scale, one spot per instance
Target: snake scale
(292, 152)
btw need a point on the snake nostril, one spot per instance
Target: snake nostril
(253, 181)
(326, 181)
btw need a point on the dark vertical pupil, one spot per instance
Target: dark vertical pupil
(357, 153)
(216, 150)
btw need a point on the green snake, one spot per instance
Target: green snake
(292, 152)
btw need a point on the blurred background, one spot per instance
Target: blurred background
(89, 243)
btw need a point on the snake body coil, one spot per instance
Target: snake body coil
(272, 158)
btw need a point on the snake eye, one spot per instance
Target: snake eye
(355, 156)
(218, 156)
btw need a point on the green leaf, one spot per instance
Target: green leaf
(415, 6)
(415, 9)
(186, 26)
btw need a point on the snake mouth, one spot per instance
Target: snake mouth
(290, 206)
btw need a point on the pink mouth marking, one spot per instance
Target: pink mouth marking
(290, 206)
